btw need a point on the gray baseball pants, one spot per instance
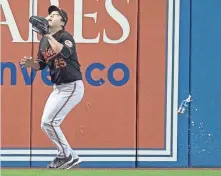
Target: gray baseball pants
(60, 102)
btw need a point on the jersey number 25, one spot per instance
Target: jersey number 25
(60, 63)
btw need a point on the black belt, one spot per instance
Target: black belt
(63, 83)
(67, 82)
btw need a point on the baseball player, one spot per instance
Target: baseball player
(57, 51)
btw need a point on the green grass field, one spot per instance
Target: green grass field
(11, 172)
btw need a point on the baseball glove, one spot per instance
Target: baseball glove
(39, 25)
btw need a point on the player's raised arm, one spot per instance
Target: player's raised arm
(56, 46)
(66, 47)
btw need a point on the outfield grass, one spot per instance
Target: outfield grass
(110, 172)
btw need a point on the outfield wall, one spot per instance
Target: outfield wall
(150, 53)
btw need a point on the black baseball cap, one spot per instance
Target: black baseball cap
(62, 13)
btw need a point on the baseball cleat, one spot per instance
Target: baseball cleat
(74, 164)
(63, 162)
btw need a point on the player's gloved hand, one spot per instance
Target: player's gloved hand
(39, 24)
(27, 62)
